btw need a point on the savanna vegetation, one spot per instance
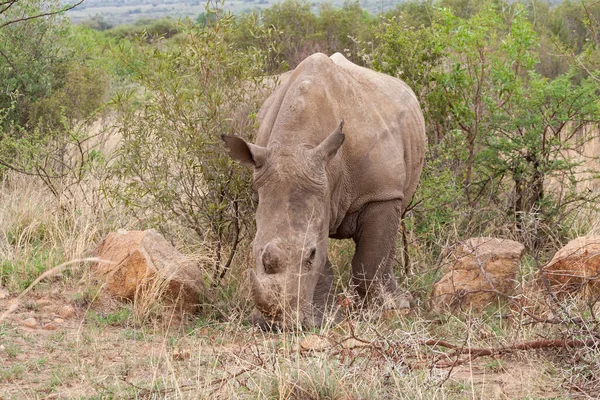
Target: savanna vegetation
(106, 128)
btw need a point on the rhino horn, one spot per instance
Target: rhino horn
(258, 292)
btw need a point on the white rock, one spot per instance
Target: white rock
(314, 343)
(66, 311)
(30, 323)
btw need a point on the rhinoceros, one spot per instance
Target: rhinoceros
(338, 154)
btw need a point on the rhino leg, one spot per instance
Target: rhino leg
(372, 265)
(323, 298)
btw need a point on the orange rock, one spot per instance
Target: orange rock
(576, 267)
(30, 323)
(144, 263)
(476, 273)
(66, 311)
(51, 326)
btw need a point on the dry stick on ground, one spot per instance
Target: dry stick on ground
(221, 381)
(150, 393)
(474, 352)
(15, 302)
(457, 361)
(471, 352)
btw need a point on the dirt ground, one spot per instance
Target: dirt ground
(56, 346)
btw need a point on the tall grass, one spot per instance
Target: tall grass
(37, 231)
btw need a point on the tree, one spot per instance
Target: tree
(32, 11)
(294, 28)
(48, 94)
(342, 29)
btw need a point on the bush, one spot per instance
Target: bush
(295, 32)
(173, 171)
(150, 28)
(33, 55)
(503, 130)
(50, 96)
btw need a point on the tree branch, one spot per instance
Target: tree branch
(475, 352)
(7, 4)
(46, 14)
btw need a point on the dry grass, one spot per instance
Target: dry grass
(103, 354)
(38, 232)
(113, 350)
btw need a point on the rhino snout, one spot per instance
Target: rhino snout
(267, 295)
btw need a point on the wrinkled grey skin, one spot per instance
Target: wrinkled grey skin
(319, 178)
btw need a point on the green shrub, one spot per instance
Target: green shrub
(173, 171)
(498, 131)
(151, 29)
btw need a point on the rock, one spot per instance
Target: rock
(181, 355)
(51, 326)
(30, 323)
(66, 311)
(3, 293)
(314, 343)
(576, 267)
(143, 262)
(476, 272)
(44, 302)
(59, 320)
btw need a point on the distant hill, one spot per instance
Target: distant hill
(115, 12)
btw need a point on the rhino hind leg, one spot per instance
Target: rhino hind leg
(372, 265)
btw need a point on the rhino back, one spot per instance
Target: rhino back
(382, 156)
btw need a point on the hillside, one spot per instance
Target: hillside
(127, 11)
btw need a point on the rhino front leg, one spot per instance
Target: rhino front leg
(372, 265)
(324, 305)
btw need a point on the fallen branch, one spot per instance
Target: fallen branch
(536, 344)
(14, 303)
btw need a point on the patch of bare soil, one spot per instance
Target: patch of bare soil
(57, 346)
(506, 378)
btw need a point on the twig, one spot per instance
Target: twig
(221, 381)
(15, 302)
(46, 14)
(532, 345)
(456, 361)
(151, 393)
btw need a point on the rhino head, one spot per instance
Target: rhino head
(292, 224)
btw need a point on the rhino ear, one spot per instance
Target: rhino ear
(247, 154)
(329, 147)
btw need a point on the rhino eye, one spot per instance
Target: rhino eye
(311, 256)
